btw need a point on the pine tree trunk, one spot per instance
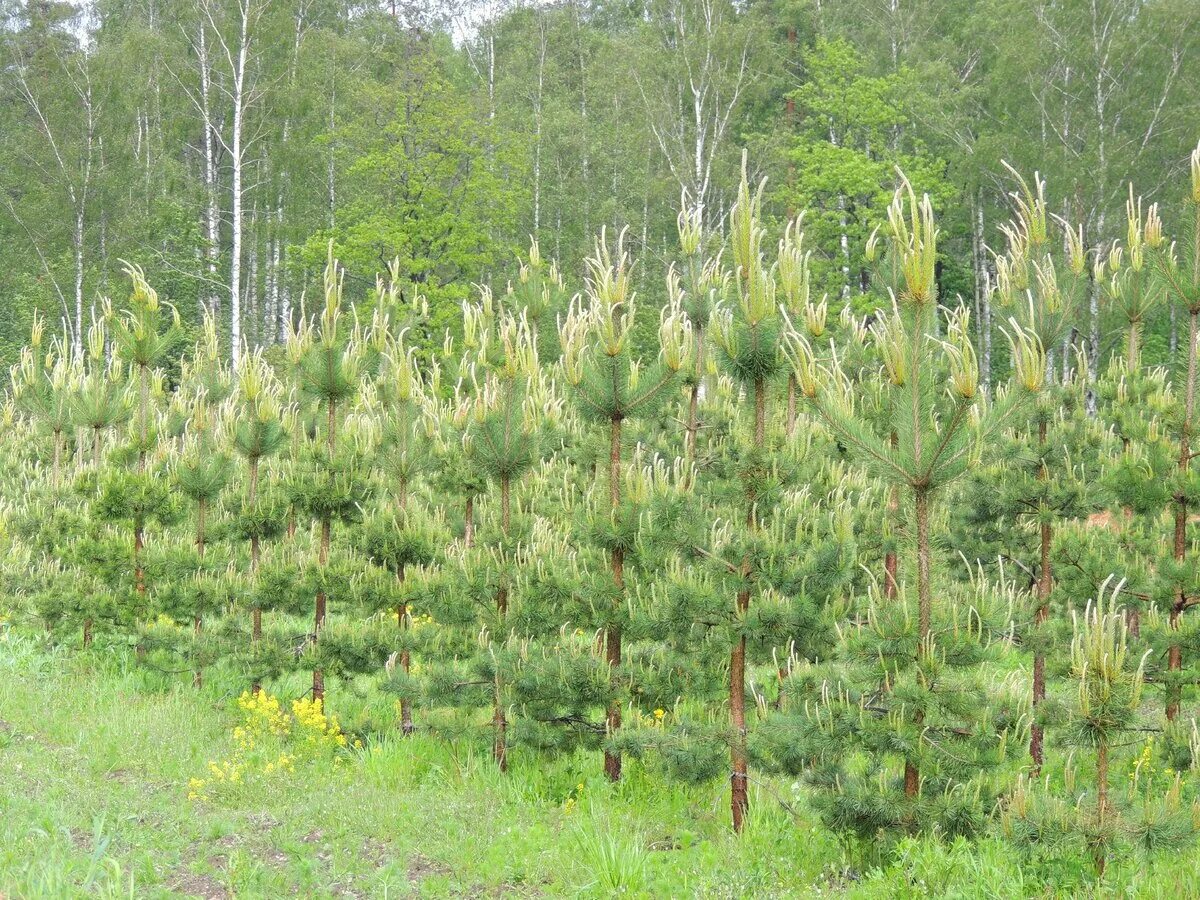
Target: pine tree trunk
(255, 554)
(1039, 618)
(201, 543)
(499, 732)
(1133, 618)
(406, 719)
(323, 559)
(499, 720)
(924, 589)
(693, 419)
(612, 635)
(739, 794)
(1101, 800)
(255, 637)
(139, 573)
(912, 779)
(891, 561)
(912, 775)
(197, 674)
(1175, 652)
(319, 612)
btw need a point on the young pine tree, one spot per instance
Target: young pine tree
(905, 686)
(749, 337)
(43, 388)
(698, 288)
(144, 335)
(1012, 508)
(257, 431)
(1104, 711)
(609, 387)
(102, 399)
(329, 484)
(399, 536)
(1181, 283)
(1146, 414)
(539, 296)
(505, 421)
(201, 471)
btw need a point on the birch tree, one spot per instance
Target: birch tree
(59, 158)
(229, 94)
(692, 94)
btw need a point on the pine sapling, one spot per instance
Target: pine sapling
(1182, 283)
(610, 387)
(1042, 297)
(748, 334)
(326, 359)
(201, 471)
(257, 432)
(143, 338)
(513, 401)
(934, 413)
(1103, 714)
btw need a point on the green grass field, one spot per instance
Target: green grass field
(96, 755)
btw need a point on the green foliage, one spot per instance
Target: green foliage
(760, 549)
(1105, 709)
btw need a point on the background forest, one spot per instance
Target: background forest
(221, 144)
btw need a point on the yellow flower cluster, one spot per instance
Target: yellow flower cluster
(284, 763)
(1143, 765)
(227, 770)
(262, 717)
(269, 741)
(317, 728)
(1144, 770)
(656, 719)
(573, 799)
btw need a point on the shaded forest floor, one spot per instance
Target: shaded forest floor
(96, 757)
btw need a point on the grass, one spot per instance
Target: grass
(96, 755)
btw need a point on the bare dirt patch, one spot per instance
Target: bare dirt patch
(376, 852)
(506, 889)
(80, 840)
(262, 823)
(203, 886)
(421, 867)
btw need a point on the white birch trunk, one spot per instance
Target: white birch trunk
(212, 226)
(237, 154)
(537, 129)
